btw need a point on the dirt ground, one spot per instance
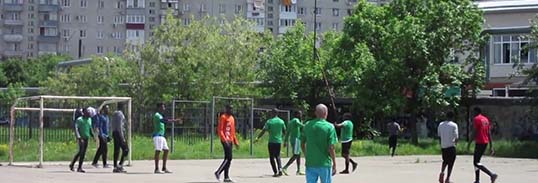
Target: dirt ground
(381, 169)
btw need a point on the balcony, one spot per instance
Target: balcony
(13, 7)
(48, 23)
(13, 37)
(13, 53)
(49, 7)
(13, 22)
(48, 39)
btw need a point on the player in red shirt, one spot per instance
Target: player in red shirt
(226, 131)
(482, 137)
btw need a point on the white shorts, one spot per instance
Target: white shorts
(160, 143)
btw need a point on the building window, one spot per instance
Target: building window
(222, 8)
(100, 35)
(238, 9)
(136, 19)
(349, 12)
(203, 7)
(270, 23)
(318, 11)
(65, 18)
(30, 46)
(119, 5)
(270, 8)
(336, 12)
(30, 30)
(186, 7)
(136, 3)
(82, 33)
(152, 4)
(335, 26)
(301, 11)
(509, 49)
(101, 4)
(66, 3)
(66, 33)
(48, 31)
(99, 49)
(287, 22)
(30, 8)
(186, 21)
(291, 8)
(151, 19)
(83, 3)
(335, 0)
(100, 19)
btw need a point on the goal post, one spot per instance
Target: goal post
(43, 108)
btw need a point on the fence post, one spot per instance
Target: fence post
(173, 125)
(251, 127)
(212, 125)
(41, 132)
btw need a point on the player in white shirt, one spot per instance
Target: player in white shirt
(448, 133)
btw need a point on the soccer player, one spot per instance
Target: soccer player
(102, 125)
(482, 138)
(346, 138)
(226, 131)
(394, 129)
(295, 126)
(118, 127)
(448, 134)
(158, 137)
(276, 128)
(83, 132)
(317, 142)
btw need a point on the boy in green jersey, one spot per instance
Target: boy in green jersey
(295, 127)
(159, 141)
(346, 138)
(83, 132)
(276, 128)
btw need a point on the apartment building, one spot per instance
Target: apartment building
(508, 24)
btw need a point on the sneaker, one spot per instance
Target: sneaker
(116, 170)
(72, 168)
(299, 173)
(80, 170)
(106, 166)
(344, 172)
(494, 178)
(441, 177)
(354, 165)
(157, 171)
(285, 171)
(122, 170)
(217, 176)
(95, 165)
(275, 175)
(228, 180)
(280, 173)
(166, 171)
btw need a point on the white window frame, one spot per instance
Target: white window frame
(510, 39)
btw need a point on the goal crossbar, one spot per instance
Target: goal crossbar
(42, 109)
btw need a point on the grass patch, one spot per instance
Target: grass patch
(187, 149)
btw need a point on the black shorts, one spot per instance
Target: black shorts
(393, 141)
(449, 154)
(346, 147)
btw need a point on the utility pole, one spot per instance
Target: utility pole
(315, 59)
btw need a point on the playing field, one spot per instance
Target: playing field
(381, 169)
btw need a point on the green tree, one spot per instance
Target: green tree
(290, 72)
(29, 72)
(404, 54)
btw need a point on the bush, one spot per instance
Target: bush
(3, 150)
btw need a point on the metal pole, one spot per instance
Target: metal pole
(212, 126)
(251, 127)
(41, 133)
(287, 131)
(173, 125)
(129, 131)
(315, 30)
(11, 134)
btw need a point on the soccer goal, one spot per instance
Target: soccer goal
(195, 117)
(50, 104)
(243, 113)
